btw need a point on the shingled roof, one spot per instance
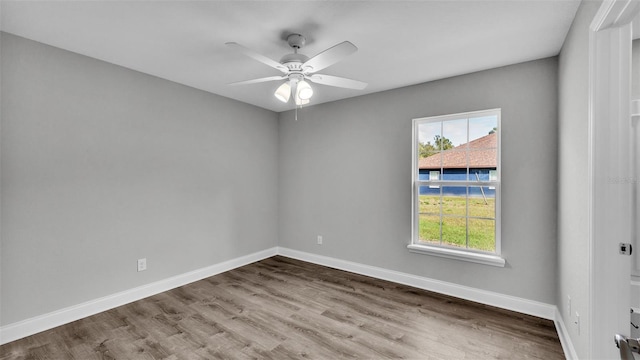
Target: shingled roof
(486, 155)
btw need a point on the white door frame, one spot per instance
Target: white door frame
(610, 178)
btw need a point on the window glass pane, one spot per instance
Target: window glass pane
(428, 152)
(423, 175)
(454, 231)
(454, 133)
(483, 132)
(428, 133)
(479, 174)
(482, 234)
(482, 202)
(454, 200)
(454, 165)
(429, 200)
(429, 229)
(434, 176)
(482, 161)
(493, 176)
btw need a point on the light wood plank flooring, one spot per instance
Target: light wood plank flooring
(281, 308)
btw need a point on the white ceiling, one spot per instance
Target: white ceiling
(400, 42)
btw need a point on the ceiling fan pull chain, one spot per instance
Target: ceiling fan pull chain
(296, 113)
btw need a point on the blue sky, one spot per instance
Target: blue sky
(456, 130)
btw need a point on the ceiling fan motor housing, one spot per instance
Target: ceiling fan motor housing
(294, 61)
(296, 41)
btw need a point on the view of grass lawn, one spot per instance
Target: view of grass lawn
(454, 223)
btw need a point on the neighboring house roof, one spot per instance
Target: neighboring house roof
(486, 155)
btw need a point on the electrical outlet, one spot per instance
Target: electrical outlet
(319, 239)
(142, 264)
(569, 305)
(577, 322)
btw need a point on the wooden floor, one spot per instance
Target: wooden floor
(281, 308)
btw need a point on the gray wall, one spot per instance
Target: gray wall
(635, 68)
(345, 173)
(573, 207)
(102, 165)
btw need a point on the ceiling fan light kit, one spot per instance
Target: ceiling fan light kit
(283, 92)
(300, 102)
(298, 70)
(304, 92)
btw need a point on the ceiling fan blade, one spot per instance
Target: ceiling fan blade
(337, 81)
(329, 57)
(255, 81)
(263, 59)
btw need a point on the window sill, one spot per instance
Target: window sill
(486, 259)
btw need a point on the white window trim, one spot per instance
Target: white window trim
(465, 255)
(469, 255)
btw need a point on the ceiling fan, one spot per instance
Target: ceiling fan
(298, 68)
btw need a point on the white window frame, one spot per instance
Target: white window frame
(470, 255)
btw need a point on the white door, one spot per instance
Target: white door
(635, 144)
(611, 168)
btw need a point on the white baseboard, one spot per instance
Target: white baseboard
(565, 339)
(44, 322)
(525, 306)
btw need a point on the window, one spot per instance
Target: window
(456, 186)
